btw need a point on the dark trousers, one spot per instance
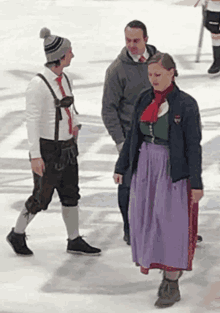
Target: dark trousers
(65, 179)
(123, 200)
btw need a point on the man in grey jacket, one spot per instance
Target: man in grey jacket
(125, 78)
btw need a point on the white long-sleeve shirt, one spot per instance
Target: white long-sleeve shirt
(40, 111)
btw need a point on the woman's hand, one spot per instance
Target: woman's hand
(118, 178)
(196, 195)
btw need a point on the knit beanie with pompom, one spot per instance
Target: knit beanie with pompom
(55, 47)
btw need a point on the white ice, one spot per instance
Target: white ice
(53, 281)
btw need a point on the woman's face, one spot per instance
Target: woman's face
(159, 77)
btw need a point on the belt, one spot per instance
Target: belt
(60, 143)
(156, 140)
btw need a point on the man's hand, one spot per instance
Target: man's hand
(38, 166)
(75, 132)
(196, 195)
(118, 178)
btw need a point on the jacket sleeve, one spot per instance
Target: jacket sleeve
(112, 94)
(122, 163)
(192, 133)
(134, 137)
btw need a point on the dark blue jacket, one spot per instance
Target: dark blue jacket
(184, 138)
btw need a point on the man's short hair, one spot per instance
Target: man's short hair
(138, 24)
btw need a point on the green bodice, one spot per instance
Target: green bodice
(158, 129)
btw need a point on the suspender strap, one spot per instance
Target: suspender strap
(58, 117)
(58, 111)
(48, 85)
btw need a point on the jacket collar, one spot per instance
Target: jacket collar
(173, 94)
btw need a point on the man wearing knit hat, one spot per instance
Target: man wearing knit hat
(52, 135)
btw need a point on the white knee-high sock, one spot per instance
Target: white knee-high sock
(71, 220)
(215, 42)
(23, 221)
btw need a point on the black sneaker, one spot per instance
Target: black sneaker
(126, 238)
(79, 246)
(199, 239)
(18, 243)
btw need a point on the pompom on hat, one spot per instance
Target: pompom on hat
(55, 47)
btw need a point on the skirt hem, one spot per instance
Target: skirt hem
(192, 230)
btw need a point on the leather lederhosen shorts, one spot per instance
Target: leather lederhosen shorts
(61, 173)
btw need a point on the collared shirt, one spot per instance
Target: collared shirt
(40, 111)
(136, 57)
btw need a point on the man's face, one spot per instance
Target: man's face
(68, 57)
(135, 41)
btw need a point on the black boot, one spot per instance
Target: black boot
(18, 243)
(199, 239)
(169, 294)
(127, 237)
(215, 67)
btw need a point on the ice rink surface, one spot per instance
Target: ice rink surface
(53, 281)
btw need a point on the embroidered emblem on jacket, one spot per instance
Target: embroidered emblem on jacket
(177, 119)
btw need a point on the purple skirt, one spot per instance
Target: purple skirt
(158, 211)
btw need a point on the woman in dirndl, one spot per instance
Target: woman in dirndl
(163, 154)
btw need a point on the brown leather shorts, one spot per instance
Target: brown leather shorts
(61, 173)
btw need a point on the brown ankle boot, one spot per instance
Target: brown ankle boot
(169, 294)
(164, 282)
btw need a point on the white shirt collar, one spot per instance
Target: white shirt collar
(50, 75)
(136, 57)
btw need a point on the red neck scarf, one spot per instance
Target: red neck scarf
(151, 111)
